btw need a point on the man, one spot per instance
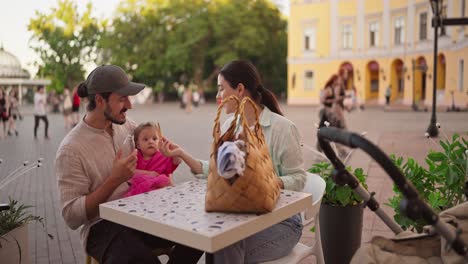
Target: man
(91, 170)
(40, 113)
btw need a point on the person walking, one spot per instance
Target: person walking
(187, 98)
(4, 105)
(67, 108)
(40, 112)
(75, 115)
(388, 94)
(332, 111)
(14, 112)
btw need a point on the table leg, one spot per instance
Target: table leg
(209, 258)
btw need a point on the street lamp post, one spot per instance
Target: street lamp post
(436, 6)
(414, 106)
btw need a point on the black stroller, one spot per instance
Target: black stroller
(450, 229)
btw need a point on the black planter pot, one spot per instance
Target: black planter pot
(340, 231)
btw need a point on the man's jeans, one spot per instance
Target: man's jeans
(109, 242)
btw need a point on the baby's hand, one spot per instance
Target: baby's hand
(169, 149)
(171, 183)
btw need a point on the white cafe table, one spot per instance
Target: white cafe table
(177, 214)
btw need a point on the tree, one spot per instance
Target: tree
(65, 41)
(163, 40)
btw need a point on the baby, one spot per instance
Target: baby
(153, 170)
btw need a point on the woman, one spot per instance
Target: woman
(14, 112)
(4, 116)
(241, 79)
(331, 98)
(75, 115)
(67, 108)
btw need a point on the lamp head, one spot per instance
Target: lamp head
(436, 6)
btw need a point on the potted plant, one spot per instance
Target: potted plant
(441, 184)
(14, 232)
(341, 216)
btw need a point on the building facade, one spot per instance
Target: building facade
(376, 44)
(13, 76)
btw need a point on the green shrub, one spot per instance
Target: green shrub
(441, 185)
(335, 194)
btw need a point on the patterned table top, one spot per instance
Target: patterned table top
(177, 213)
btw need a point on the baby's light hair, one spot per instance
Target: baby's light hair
(140, 127)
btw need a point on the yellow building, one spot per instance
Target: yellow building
(378, 43)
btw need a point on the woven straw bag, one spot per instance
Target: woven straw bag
(257, 190)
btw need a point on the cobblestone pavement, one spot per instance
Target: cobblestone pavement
(396, 132)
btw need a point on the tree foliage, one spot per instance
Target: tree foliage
(65, 40)
(162, 40)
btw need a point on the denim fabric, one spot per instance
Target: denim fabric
(272, 243)
(111, 243)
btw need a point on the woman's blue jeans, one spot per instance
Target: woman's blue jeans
(272, 243)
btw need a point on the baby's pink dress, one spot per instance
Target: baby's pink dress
(159, 163)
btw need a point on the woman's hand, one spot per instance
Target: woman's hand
(280, 183)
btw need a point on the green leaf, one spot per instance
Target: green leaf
(444, 145)
(343, 195)
(452, 176)
(436, 156)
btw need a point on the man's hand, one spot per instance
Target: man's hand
(123, 167)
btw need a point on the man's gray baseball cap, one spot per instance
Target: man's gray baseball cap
(111, 79)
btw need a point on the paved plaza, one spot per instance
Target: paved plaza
(399, 132)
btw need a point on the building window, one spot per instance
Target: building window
(401, 85)
(423, 26)
(293, 81)
(309, 39)
(443, 30)
(309, 80)
(461, 72)
(374, 85)
(374, 34)
(399, 30)
(347, 37)
(463, 6)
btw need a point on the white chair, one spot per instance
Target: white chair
(316, 186)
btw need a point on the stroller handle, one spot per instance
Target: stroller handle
(413, 206)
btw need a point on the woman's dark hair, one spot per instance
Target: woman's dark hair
(241, 71)
(330, 81)
(82, 91)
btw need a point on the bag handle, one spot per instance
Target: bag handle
(217, 126)
(245, 126)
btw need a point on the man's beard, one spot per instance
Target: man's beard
(108, 115)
